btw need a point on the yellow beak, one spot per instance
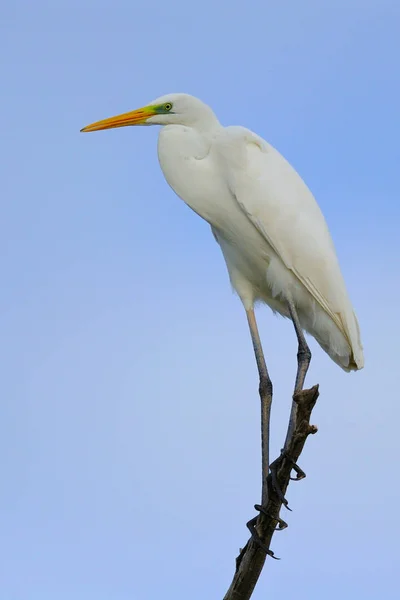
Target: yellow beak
(135, 117)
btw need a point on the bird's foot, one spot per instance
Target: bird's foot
(251, 526)
(274, 479)
(281, 523)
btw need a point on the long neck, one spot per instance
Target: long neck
(184, 141)
(205, 120)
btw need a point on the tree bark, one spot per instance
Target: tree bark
(251, 559)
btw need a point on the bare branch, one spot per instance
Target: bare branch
(251, 559)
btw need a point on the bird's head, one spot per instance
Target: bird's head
(173, 109)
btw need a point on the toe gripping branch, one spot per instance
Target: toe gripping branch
(281, 524)
(274, 475)
(251, 525)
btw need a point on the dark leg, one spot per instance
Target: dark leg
(303, 362)
(251, 525)
(265, 389)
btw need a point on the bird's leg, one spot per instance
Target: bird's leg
(251, 526)
(303, 362)
(265, 390)
(280, 522)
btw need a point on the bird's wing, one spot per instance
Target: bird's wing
(280, 205)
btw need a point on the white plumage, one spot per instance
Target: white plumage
(273, 236)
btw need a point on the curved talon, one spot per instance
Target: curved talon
(281, 523)
(275, 484)
(300, 474)
(299, 477)
(256, 538)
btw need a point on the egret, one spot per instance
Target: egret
(271, 231)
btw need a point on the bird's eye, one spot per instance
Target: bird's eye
(167, 106)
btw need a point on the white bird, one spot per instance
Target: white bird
(274, 238)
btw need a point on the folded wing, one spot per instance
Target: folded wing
(279, 204)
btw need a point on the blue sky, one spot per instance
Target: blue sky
(129, 420)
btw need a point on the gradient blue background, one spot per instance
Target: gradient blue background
(129, 419)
